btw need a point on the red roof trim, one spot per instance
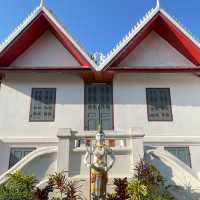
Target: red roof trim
(170, 33)
(155, 69)
(67, 43)
(139, 37)
(18, 45)
(31, 33)
(69, 69)
(183, 44)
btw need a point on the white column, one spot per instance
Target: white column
(137, 147)
(63, 158)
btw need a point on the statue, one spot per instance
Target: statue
(99, 167)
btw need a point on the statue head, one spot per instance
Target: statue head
(100, 136)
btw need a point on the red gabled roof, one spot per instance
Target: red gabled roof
(41, 22)
(167, 28)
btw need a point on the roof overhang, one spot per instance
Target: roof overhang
(160, 22)
(32, 28)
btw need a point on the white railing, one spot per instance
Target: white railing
(185, 181)
(27, 160)
(128, 148)
(117, 141)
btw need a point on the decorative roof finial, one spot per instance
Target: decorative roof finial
(41, 3)
(158, 4)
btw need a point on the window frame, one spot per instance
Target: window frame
(177, 147)
(31, 105)
(23, 149)
(170, 105)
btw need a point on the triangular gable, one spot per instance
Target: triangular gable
(46, 51)
(161, 23)
(154, 51)
(32, 29)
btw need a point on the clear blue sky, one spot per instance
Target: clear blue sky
(98, 24)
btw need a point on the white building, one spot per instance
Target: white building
(149, 84)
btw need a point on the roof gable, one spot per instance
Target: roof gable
(159, 21)
(154, 51)
(31, 29)
(46, 51)
(156, 20)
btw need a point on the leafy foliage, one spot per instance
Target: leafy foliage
(69, 190)
(137, 190)
(147, 184)
(18, 187)
(42, 194)
(149, 176)
(121, 190)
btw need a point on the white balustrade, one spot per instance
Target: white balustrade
(127, 146)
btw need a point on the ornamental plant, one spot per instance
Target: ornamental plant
(147, 184)
(18, 187)
(149, 176)
(43, 194)
(67, 189)
(121, 190)
(137, 190)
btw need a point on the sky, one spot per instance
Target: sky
(98, 25)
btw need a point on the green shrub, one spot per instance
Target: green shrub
(18, 187)
(149, 176)
(137, 190)
(147, 184)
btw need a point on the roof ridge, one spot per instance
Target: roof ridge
(18, 29)
(136, 28)
(130, 34)
(30, 18)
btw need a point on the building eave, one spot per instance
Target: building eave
(45, 69)
(137, 29)
(160, 69)
(20, 28)
(124, 42)
(42, 10)
(181, 28)
(69, 36)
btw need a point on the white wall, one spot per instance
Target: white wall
(130, 109)
(154, 51)
(46, 51)
(16, 99)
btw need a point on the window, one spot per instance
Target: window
(182, 153)
(159, 104)
(43, 104)
(98, 106)
(16, 154)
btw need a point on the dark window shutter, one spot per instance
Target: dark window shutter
(91, 107)
(106, 96)
(159, 104)
(98, 96)
(43, 104)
